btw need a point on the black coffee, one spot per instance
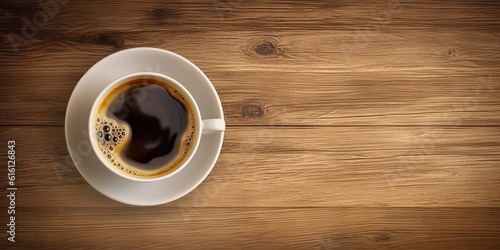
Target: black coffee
(145, 127)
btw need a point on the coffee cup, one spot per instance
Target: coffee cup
(147, 127)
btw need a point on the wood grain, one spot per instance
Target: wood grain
(266, 167)
(254, 228)
(351, 125)
(351, 76)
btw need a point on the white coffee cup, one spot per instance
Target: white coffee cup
(202, 126)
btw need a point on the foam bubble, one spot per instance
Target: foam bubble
(112, 141)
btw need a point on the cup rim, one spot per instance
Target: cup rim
(122, 79)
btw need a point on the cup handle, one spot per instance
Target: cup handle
(213, 125)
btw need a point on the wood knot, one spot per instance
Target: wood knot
(451, 53)
(113, 39)
(383, 237)
(252, 111)
(265, 48)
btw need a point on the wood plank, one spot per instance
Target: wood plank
(297, 167)
(328, 51)
(200, 16)
(341, 100)
(246, 228)
(454, 51)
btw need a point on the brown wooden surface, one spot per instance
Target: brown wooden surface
(350, 124)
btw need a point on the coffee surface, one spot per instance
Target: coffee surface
(145, 127)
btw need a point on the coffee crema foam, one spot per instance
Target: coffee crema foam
(114, 135)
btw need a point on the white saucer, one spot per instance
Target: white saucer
(77, 115)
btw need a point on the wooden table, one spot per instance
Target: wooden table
(350, 124)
